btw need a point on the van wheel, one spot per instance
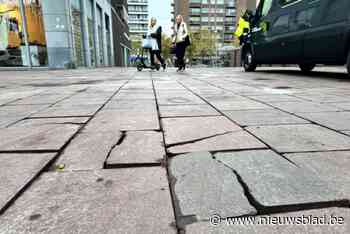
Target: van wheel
(307, 67)
(248, 62)
(348, 64)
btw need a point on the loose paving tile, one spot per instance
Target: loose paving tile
(305, 107)
(51, 121)
(119, 120)
(300, 138)
(34, 138)
(138, 148)
(237, 140)
(335, 120)
(182, 130)
(323, 221)
(186, 110)
(17, 170)
(263, 117)
(274, 182)
(64, 111)
(118, 201)
(203, 187)
(89, 150)
(332, 167)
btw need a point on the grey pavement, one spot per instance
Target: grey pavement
(113, 150)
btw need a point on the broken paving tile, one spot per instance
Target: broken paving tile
(263, 117)
(237, 140)
(203, 187)
(138, 148)
(334, 120)
(42, 137)
(274, 181)
(17, 170)
(51, 121)
(186, 110)
(118, 201)
(65, 111)
(117, 120)
(332, 167)
(89, 150)
(287, 223)
(183, 130)
(300, 138)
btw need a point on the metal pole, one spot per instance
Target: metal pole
(25, 32)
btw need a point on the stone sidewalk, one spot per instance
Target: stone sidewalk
(119, 151)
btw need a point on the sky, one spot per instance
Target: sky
(161, 9)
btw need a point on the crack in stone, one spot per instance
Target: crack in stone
(268, 210)
(119, 142)
(200, 139)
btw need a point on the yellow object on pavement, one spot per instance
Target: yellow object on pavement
(242, 24)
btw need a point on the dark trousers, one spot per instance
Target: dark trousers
(180, 53)
(157, 54)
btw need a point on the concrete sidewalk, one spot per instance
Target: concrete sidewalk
(119, 151)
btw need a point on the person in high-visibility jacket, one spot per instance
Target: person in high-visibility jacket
(243, 26)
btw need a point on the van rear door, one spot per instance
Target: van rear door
(325, 41)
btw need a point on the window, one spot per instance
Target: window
(282, 22)
(286, 2)
(266, 8)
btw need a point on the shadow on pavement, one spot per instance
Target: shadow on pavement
(342, 77)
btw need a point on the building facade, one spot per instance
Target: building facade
(121, 38)
(138, 18)
(56, 34)
(217, 16)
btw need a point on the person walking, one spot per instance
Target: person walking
(155, 33)
(181, 40)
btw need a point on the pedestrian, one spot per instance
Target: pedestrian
(181, 40)
(155, 33)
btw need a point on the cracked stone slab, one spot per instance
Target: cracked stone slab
(332, 167)
(119, 201)
(89, 150)
(51, 121)
(335, 120)
(237, 140)
(263, 117)
(40, 99)
(274, 181)
(42, 137)
(305, 107)
(186, 110)
(118, 120)
(141, 147)
(239, 105)
(21, 110)
(289, 228)
(17, 170)
(300, 138)
(63, 111)
(203, 187)
(179, 130)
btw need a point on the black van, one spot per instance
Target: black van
(304, 32)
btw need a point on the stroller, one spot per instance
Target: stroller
(141, 59)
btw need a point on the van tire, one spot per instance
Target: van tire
(249, 64)
(348, 64)
(307, 67)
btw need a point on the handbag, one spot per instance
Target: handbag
(147, 43)
(187, 40)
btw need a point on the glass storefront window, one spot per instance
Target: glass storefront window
(13, 49)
